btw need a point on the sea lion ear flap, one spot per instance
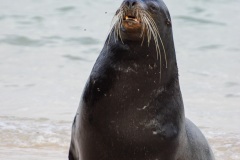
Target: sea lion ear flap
(168, 22)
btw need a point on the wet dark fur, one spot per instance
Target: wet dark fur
(128, 113)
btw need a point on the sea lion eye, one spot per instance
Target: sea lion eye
(168, 22)
(153, 6)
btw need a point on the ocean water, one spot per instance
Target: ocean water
(48, 48)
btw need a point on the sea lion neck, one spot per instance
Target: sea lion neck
(145, 56)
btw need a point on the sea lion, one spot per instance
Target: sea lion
(131, 107)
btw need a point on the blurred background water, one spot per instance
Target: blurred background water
(48, 48)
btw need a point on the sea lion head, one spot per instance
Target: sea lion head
(137, 20)
(146, 24)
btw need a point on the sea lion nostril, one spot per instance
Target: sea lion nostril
(131, 3)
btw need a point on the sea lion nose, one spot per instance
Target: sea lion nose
(130, 3)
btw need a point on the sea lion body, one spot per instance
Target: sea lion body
(131, 107)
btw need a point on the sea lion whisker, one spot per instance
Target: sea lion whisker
(145, 22)
(143, 27)
(149, 34)
(157, 46)
(137, 15)
(152, 30)
(115, 33)
(113, 23)
(142, 32)
(117, 25)
(119, 30)
(116, 30)
(164, 51)
(155, 26)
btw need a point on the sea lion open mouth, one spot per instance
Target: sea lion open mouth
(131, 19)
(131, 22)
